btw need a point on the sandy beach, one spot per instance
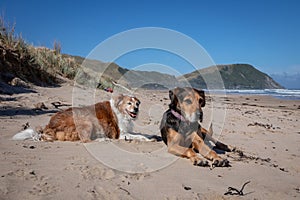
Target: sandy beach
(265, 129)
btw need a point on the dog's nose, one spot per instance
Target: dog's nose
(136, 109)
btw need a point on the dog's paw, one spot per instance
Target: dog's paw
(219, 162)
(202, 163)
(199, 162)
(231, 148)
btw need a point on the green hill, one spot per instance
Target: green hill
(234, 76)
(130, 78)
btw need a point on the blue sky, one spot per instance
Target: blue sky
(264, 33)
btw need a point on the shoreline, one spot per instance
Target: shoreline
(285, 94)
(262, 101)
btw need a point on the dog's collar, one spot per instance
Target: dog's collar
(178, 116)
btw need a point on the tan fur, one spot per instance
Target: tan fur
(183, 133)
(190, 104)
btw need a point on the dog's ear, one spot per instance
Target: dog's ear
(118, 99)
(138, 101)
(171, 95)
(176, 95)
(173, 99)
(202, 95)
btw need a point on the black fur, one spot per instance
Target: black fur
(170, 121)
(183, 127)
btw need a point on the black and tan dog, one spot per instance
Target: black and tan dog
(181, 130)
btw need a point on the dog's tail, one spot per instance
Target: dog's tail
(27, 134)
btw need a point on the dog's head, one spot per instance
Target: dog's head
(188, 102)
(127, 105)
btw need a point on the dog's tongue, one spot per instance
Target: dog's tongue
(133, 115)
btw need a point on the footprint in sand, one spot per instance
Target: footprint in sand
(98, 192)
(92, 173)
(26, 174)
(41, 184)
(96, 173)
(4, 189)
(43, 187)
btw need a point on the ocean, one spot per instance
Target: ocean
(277, 93)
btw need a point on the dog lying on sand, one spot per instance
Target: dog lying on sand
(182, 132)
(109, 119)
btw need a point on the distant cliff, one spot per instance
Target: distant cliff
(233, 76)
(130, 78)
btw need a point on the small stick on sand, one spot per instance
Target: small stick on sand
(234, 191)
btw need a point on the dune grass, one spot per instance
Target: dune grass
(38, 65)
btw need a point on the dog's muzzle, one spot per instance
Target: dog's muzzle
(133, 114)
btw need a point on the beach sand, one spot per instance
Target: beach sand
(266, 129)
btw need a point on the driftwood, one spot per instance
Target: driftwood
(234, 191)
(242, 156)
(267, 126)
(58, 104)
(40, 106)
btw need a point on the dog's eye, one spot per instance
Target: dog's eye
(129, 103)
(188, 101)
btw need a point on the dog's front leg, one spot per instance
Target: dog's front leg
(207, 135)
(174, 141)
(204, 150)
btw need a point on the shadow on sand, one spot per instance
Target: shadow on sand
(14, 111)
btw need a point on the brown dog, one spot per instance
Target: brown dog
(104, 119)
(182, 132)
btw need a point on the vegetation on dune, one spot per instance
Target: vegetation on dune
(43, 66)
(40, 66)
